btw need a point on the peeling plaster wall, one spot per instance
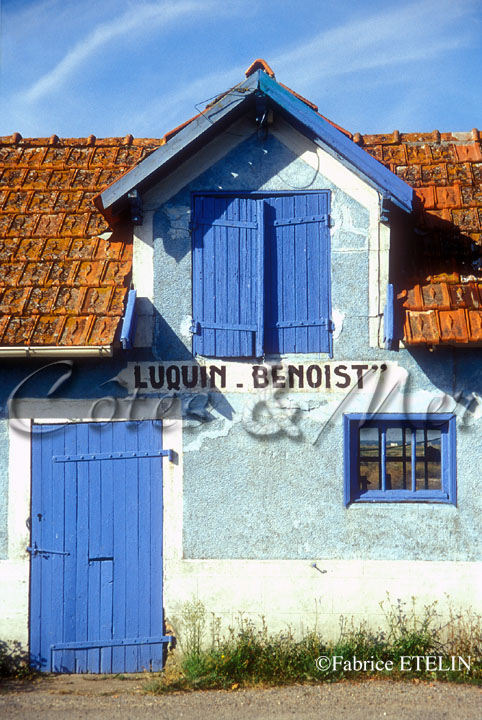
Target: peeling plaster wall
(246, 496)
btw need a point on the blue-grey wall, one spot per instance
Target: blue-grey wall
(247, 496)
(281, 495)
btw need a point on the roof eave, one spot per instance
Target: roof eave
(56, 351)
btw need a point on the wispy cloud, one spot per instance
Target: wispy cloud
(137, 17)
(416, 32)
(175, 107)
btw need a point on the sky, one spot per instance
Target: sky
(113, 67)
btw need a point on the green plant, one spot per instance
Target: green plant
(248, 654)
(14, 661)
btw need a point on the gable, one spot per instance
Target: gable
(66, 269)
(262, 96)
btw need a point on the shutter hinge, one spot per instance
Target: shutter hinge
(329, 221)
(195, 328)
(135, 206)
(192, 225)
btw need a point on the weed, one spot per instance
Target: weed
(248, 654)
(14, 661)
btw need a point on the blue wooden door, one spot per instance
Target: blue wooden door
(96, 570)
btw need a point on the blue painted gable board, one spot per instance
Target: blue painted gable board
(144, 171)
(397, 190)
(320, 129)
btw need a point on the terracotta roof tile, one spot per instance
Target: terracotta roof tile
(445, 169)
(422, 327)
(453, 326)
(54, 264)
(475, 325)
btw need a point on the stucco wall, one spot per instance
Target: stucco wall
(281, 496)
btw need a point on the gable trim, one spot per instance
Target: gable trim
(231, 104)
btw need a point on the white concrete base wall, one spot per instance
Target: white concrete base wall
(14, 598)
(294, 593)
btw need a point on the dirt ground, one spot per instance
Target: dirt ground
(113, 698)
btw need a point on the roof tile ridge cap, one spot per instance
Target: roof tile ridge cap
(178, 128)
(13, 139)
(336, 126)
(259, 64)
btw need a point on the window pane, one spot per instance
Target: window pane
(369, 472)
(369, 442)
(429, 460)
(398, 459)
(369, 476)
(394, 442)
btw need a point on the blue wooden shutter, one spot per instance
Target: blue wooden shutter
(227, 276)
(297, 277)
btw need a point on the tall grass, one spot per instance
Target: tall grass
(248, 654)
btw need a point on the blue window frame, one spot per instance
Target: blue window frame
(400, 458)
(261, 274)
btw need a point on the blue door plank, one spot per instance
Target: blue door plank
(82, 584)
(120, 553)
(57, 562)
(106, 545)
(156, 513)
(144, 554)
(107, 492)
(132, 543)
(95, 550)
(106, 602)
(70, 572)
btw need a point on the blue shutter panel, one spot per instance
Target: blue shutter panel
(297, 274)
(227, 276)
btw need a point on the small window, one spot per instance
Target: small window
(397, 458)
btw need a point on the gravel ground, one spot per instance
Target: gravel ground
(78, 696)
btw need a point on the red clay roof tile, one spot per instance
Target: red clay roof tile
(453, 326)
(475, 325)
(50, 251)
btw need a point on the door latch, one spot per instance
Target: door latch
(35, 550)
